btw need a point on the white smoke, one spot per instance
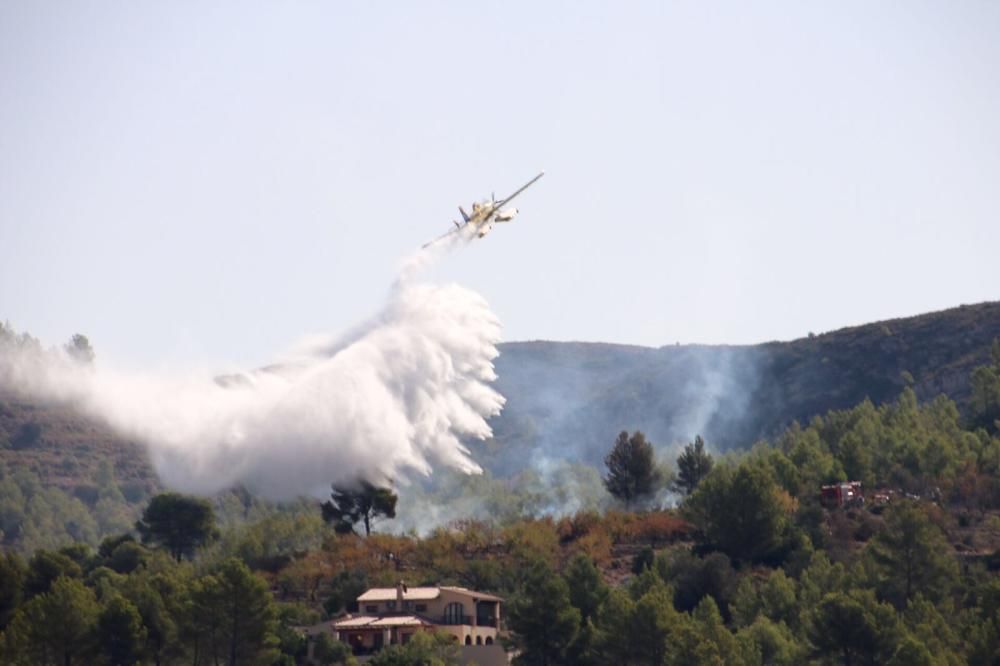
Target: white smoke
(394, 397)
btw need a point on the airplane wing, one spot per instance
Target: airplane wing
(531, 182)
(440, 238)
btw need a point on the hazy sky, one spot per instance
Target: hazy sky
(207, 182)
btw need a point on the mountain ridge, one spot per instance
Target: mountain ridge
(568, 400)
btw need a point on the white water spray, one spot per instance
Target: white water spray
(394, 397)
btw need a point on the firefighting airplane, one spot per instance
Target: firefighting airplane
(486, 213)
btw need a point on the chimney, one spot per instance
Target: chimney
(400, 591)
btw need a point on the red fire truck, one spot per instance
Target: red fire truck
(841, 494)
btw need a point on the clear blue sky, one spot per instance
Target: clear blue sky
(189, 182)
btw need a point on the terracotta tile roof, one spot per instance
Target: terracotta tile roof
(401, 621)
(376, 594)
(359, 621)
(369, 621)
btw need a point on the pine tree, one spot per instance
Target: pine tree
(587, 589)
(239, 615)
(693, 465)
(912, 555)
(120, 634)
(542, 617)
(360, 502)
(632, 472)
(54, 627)
(178, 523)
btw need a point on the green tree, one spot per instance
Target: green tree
(587, 590)
(238, 615)
(615, 629)
(178, 523)
(161, 599)
(55, 628)
(739, 511)
(911, 652)
(693, 465)
(542, 617)
(984, 405)
(773, 598)
(652, 630)
(911, 555)
(715, 644)
(424, 649)
(344, 589)
(328, 651)
(632, 470)
(120, 634)
(45, 567)
(12, 576)
(645, 630)
(79, 349)
(127, 557)
(820, 578)
(854, 626)
(774, 643)
(693, 578)
(933, 630)
(359, 502)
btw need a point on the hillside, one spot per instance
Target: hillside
(566, 401)
(66, 449)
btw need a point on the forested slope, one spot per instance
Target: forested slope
(567, 400)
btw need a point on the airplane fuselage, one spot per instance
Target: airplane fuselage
(485, 214)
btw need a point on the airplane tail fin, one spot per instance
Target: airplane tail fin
(465, 216)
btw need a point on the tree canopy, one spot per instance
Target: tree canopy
(543, 617)
(632, 472)
(911, 556)
(360, 502)
(985, 407)
(741, 511)
(693, 465)
(178, 523)
(79, 349)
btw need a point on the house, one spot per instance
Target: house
(388, 616)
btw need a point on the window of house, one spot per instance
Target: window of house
(453, 613)
(407, 605)
(371, 608)
(421, 608)
(390, 605)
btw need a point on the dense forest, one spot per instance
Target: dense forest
(747, 566)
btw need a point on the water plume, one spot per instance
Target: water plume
(393, 397)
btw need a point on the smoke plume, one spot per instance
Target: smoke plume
(392, 398)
